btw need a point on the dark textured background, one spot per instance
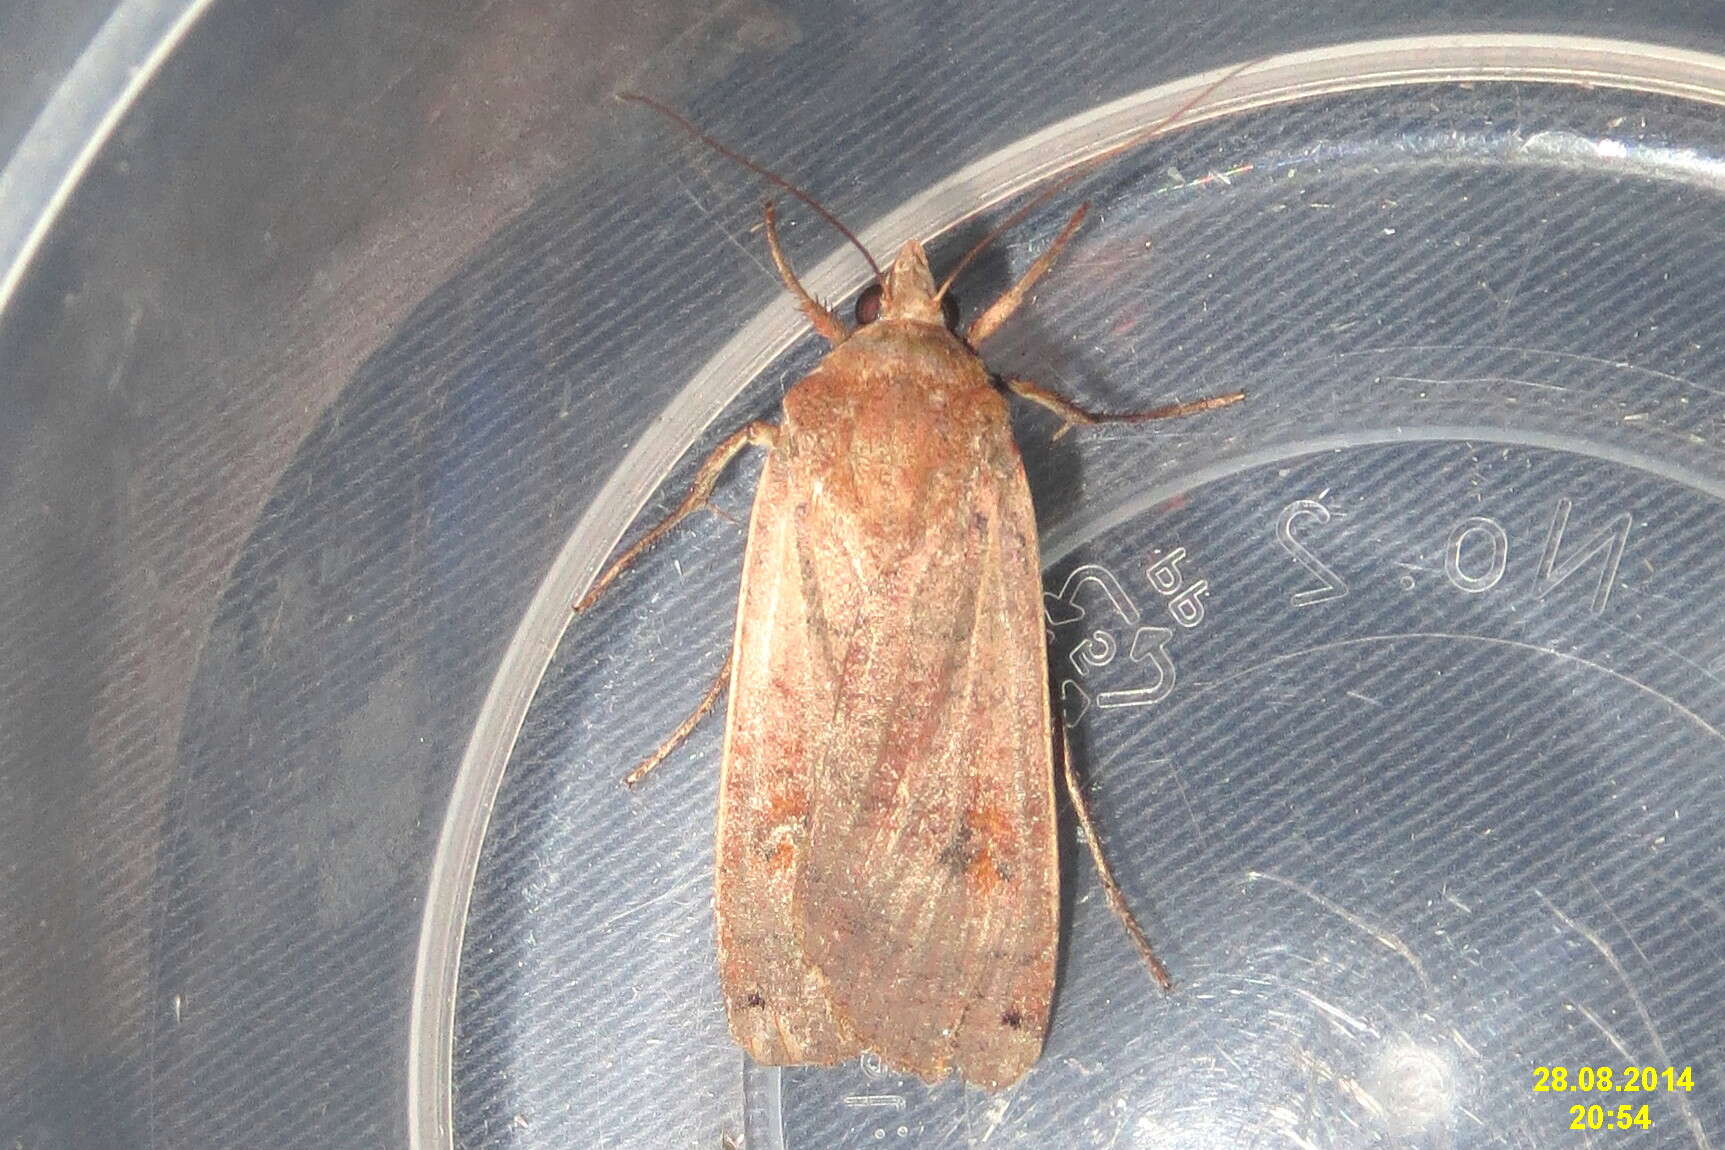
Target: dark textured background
(361, 304)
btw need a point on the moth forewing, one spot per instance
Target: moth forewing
(886, 812)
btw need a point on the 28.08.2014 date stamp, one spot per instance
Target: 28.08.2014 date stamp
(1612, 1080)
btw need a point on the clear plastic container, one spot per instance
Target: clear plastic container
(343, 347)
(1398, 685)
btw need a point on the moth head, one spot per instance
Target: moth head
(907, 292)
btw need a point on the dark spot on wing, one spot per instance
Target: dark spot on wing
(1013, 1019)
(755, 1000)
(961, 851)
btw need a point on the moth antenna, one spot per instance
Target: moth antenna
(764, 172)
(1137, 139)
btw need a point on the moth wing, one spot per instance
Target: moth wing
(777, 1006)
(929, 901)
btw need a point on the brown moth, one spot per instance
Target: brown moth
(887, 877)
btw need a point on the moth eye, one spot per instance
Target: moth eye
(949, 310)
(868, 305)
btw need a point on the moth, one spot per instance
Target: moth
(887, 878)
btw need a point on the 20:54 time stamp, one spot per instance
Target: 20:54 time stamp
(1614, 1080)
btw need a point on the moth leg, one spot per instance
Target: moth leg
(760, 433)
(1110, 887)
(684, 729)
(1072, 415)
(1001, 309)
(826, 324)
